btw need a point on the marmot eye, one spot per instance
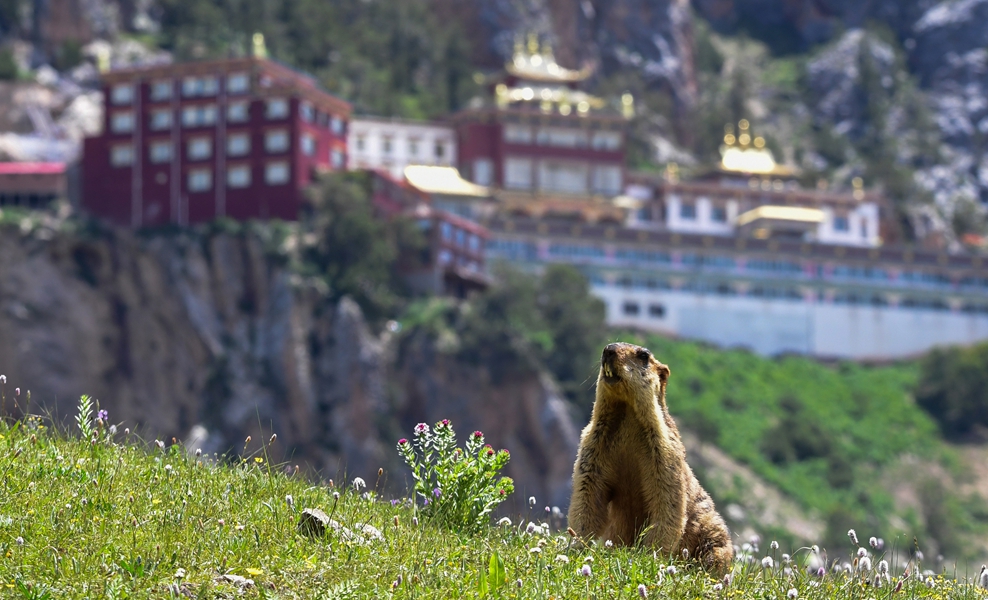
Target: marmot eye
(644, 356)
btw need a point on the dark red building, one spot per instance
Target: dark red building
(540, 135)
(190, 142)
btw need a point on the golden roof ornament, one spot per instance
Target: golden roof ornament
(742, 153)
(260, 50)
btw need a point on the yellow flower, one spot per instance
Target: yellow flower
(258, 459)
(254, 572)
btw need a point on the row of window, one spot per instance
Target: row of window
(200, 115)
(633, 309)
(276, 172)
(192, 87)
(562, 137)
(563, 176)
(238, 176)
(389, 146)
(459, 237)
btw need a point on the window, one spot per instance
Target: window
(276, 140)
(563, 177)
(277, 108)
(161, 90)
(607, 179)
(122, 94)
(687, 211)
(718, 214)
(413, 147)
(336, 159)
(238, 176)
(308, 144)
(237, 83)
(656, 311)
(518, 134)
(199, 86)
(161, 152)
(606, 140)
(200, 180)
(199, 148)
(238, 144)
(386, 145)
(276, 173)
(336, 125)
(841, 224)
(161, 119)
(199, 116)
(631, 309)
(483, 171)
(237, 112)
(361, 143)
(122, 122)
(440, 149)
(518, 173)
(563, 138)
(122, 155)
(474, 242)
(306, 112)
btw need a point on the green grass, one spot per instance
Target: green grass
(115, 517)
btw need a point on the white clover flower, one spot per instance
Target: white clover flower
(168, 468)
(535, 550)
(792, 594)
(531, 528)
(864, 564)
(585, 570)
(718, 587)
(767, 562)
(180, 573)
(531, 500)
(359, 483)
(504, 522)
(862, 552)
(19, 541)
(774, 545)
(671, 569)
(608, 544)
(853, 535)
(562, 558)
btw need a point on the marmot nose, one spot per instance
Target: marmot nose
(609, 354)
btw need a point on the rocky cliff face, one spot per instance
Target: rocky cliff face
(210, 338)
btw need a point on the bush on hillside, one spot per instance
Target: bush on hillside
(953, 388)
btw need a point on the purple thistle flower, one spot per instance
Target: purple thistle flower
(444, 422)
(102, 415)
(421, 428)
(402, 442)
(478, 434)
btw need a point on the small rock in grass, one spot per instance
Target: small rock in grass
(314, 522)
(373, 534)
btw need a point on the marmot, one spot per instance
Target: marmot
(631, 482)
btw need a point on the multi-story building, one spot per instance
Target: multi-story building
(769, 295)
(32, 185)
(190, 142)
(393, 144)
(545, 145)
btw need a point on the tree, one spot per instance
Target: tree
(953, 388)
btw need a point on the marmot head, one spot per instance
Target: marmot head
(630, 373)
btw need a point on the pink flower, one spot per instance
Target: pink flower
(421, 428)
(478, 434)
(402, 442)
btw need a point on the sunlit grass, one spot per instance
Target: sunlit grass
(110, 516)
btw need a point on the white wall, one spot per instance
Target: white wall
(402, 134)
(774, 326)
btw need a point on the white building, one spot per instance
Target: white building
(393, 144)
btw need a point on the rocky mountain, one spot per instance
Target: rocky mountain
(208, 338)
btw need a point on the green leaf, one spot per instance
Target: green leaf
(482, 583)
(495, 571)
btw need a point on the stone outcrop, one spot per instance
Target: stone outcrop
(209, 337)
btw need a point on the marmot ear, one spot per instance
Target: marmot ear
(663, 371)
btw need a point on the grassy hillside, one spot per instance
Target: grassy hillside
(833, 437)
(107, 517)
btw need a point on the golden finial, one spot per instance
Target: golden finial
(260, 50)
(759, 142)
(533, 44)
(627, 105)
(743, 124)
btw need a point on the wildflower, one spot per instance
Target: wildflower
(198, 452)
(290, 501)
(608, 544)
(982, 579)
(531, 500)
(588, 559)
(792, 594)
(815, 549)
(402, 442)
(126, 430)
(864, 564)
(562, 558)
(585, 570)
(853, 535)
(180, 573)
(535, 550)
(359, 483)
(718, 587)
(785, 559)
(929, 582)
(504, 522)
(774, 545)
(686, 553)
(20, 542)
(883, 567)
(336, 495)
(17, 391)
(767, 562)
(873, 542)
(168, 468)
(113, 430)
(862, 552)
(222, 522)
(787, 572)
(437, 492)
(161, 445)
(531, 527)
(919, 556)
(415, 521)
(421, 429)
(755, 539)
(478, 435)
(394, 502)
(898, 587)
(727, 579)
(642, 590)
(821, 572)
(100, 414)
(671, 569)
(548, 510)
(3, 379)
(518, 584)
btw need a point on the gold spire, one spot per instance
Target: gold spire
(746, 154)
(260, 50)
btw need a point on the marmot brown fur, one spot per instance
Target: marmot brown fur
(631, 482)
